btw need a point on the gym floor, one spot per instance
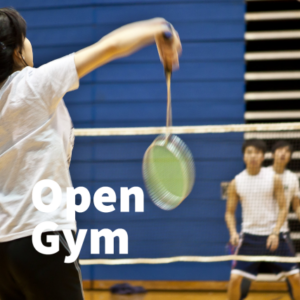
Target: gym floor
(105, 295)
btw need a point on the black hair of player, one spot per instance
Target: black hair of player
(281, 144)
(258, 144)
(12, 35)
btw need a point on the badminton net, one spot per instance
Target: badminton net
(195, 231)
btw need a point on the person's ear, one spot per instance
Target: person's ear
(18, 57)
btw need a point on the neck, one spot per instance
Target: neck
(253, 170)
(279, 169)
(17, 68)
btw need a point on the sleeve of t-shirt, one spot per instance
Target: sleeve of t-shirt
(53, 80)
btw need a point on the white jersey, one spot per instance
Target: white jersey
(290, 184)
(259, 208)
(36, 141)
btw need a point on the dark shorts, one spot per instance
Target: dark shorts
(27, 274)
(256, 245)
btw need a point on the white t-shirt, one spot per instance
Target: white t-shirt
(259, 208)
(36, 142)
(290, 184)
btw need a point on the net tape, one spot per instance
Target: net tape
(199, 259)
(250, 132)
(187, 129)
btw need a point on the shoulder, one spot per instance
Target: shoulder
(240, 175)
(291, 176)
(232, 188)
(267, 170)
(232, 183)
(239, 180)
(13, 78)
(269, 174)
(20, 76)
(27, 81)
(290, 173)
(15, 83)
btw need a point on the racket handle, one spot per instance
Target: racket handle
(168, 36)
(168, 72)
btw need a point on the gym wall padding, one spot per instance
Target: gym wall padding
(208, 89)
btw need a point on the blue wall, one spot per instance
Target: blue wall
(130, 92)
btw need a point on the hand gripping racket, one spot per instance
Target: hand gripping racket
(168, 166)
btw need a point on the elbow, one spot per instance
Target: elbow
(112, 47)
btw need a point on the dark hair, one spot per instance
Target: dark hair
(281, 144)
(12, 35)
(259, 144)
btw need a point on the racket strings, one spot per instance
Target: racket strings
(168, 167)
(168, 171)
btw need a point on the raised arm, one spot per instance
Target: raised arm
(232, 202)
(273, 240)
(125, 41)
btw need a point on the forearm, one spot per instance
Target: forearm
(119, 43)
(295, 203)
(281, 219)
(280, 197)
(231, 222)
(129, 38)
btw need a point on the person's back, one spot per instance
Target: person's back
(36, 144)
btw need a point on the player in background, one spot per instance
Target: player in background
(282, 152)
(256, 188)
